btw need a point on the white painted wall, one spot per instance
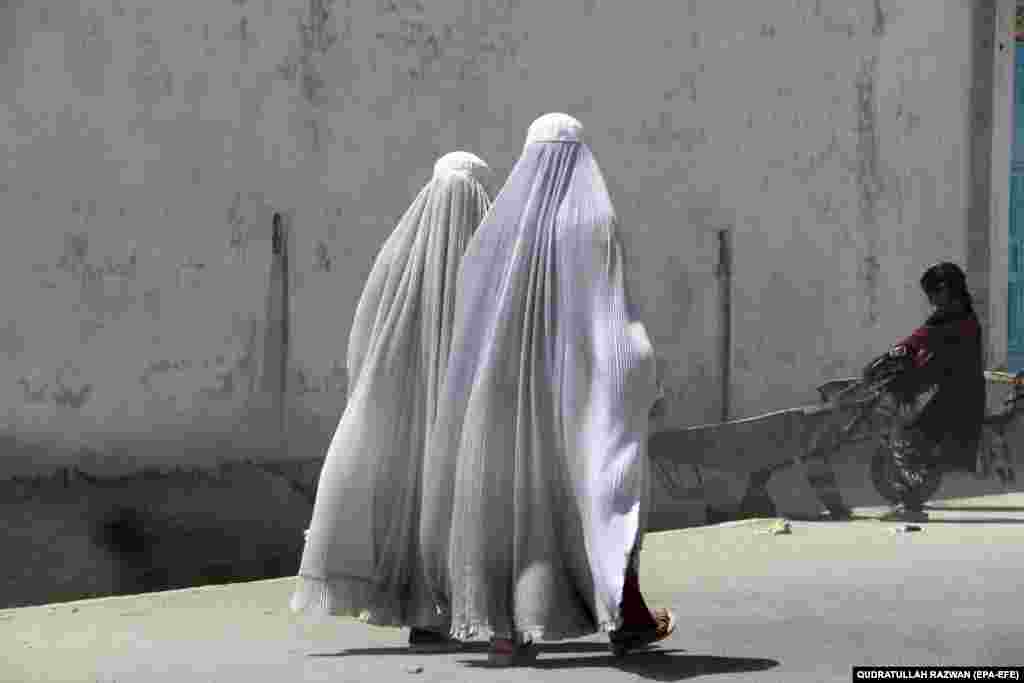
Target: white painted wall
(829, 136)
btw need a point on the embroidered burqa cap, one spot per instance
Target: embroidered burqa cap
(360, 557)
(535, 470)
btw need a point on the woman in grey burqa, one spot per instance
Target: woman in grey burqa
(536, 468)
(361, 554)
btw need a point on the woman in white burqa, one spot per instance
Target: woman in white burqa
(361, 553)
(536, 469)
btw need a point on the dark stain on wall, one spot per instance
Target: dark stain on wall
(190, 274)
(153, 530)
(196, 87)
(225, 375)
(322, 261)
(818, 159)
(830, 25)
(307, 382)
(225, 387)
(664, 137)
(68, 389)
(11, 342)
(314, 129)
(75, 261)
(34, 387)
(154, 77)
(878, 25)
(316, 37)
(76, 249)
(826, 212)
(680, 292)
(87, 329)
(238, 238)
(911, 120)
(688, 83)
(461, 52)
(151, 302)
(870, 184)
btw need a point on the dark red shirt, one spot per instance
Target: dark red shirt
(946, 355)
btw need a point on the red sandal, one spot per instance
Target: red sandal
(505, 652)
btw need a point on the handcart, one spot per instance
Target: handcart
(851, 411)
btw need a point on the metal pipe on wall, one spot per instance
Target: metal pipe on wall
(276, 346)
(724, 275)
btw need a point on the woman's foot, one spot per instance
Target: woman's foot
(628, 638)
(505, 653)
(429, 642)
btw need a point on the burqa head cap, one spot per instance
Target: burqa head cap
(555, 127)
(465, 164)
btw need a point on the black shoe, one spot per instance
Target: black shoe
(427, 642)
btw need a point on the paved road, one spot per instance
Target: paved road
(754, 606)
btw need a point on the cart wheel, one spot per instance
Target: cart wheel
(884, 473)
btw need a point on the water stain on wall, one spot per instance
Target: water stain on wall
(316, 37)
(153, 78)
(309, 382)
(833, 26)
(679, 285)
(878, 26)
(190, 274)
(238, 237)
(870, 184)
(11, 342)
(87, 329)
(817, 160)
(100, 285)
(322, 261)
(69, 391)
(151, 302)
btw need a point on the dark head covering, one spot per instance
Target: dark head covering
(949, 276)
(944, 275)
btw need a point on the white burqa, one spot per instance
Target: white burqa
(536, 468)
(361, 555)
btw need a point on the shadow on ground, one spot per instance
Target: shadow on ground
(467, 648)
(657, 665)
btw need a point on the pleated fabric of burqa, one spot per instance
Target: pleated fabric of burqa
(536, 469)
(361, 553)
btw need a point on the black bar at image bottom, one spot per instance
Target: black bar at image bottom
(938, 673)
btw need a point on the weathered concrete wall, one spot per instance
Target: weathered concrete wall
(148, 145)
